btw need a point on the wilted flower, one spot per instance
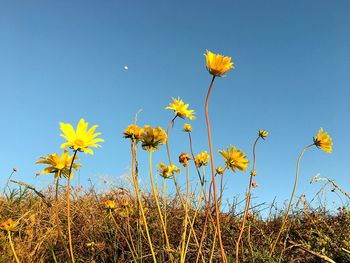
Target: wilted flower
(263, 134)
(250, 217)
(124, 202)
(323, 141)
(235, 158)
(110, 205)
(217, 64)
(167, 171)
(82, 138)
(133, 131)
(220, 170)
(184, 158)
(187, 127)
(8, 225)
(180, 109)
(151, 138)
(202, 159)
(255, 185)
(58, 165)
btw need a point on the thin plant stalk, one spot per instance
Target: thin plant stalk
(290, 201)
(137, 189)
(217, 210)
(57, 185)
(68, 208)
(164, 200)
(183, 241)
(12, 246)
(155, 194)
(8, 180)
(247, 202)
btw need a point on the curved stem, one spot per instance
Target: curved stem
(155, 194)
(247, 201)
(167, 141)
(291, 199)
(12, 246)
(68, 208)
(217, 210)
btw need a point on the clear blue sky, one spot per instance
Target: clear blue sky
(63, 60)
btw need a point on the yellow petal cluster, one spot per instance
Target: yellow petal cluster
(9, 225)
(167, 171)
(235, 159)
(133, 131)
(58, 165)
(217, 64)
(180, 109)
(323, 141)
(263, 134)
(82, 138)
(202, 159)
(152, 137)
(110, 205)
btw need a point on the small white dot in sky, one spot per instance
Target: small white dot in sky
(126, 67)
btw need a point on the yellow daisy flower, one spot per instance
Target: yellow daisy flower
(167, 171)
(202, 159)
(217, 64)
(58, 165)
(133, 131)
(9, 225)
(82, 138)
(187, 127)
(110, 205)
(220, 170)
(180, 109)
(323, 141)
(151, 138)
(235, 159)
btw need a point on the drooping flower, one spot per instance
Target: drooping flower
(167, 171)
(323, 141)
(187, 127)
(202, 159)
(235, 159)
(58, 165)
(151, 138)
(184, 158)
(9, 225)
(217, 64)
(180, 109)
(263, 134)
(81, 139)
(133, 131)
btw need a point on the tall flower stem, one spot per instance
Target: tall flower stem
(138, 196)
(68, 208)
(217, 210)
(290, 201)
(247, 201)
(12, 246)
(167, 141)
(183, 241)
(155, 194)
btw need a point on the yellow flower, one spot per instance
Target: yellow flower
(133, 132)
(235, 158)
(202, 159)
(180, 109)
(151, 138)
(187, 127)
(9, 225)
(253, 173)
(82, 138)
(323, 141)
(58, 165)
(167, 171)
(90, 244)
(263, 134)
(184, 158)
(217, 64)
(110, 205)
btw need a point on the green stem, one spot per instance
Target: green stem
(12, 246)
(290, 201)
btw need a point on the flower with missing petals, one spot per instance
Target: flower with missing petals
(217, 64)
(263, 134)
(323, 141)
(180, 109)
(151, 138)
(184, 158)
(167, 171)
(133, 132)
(235, 159)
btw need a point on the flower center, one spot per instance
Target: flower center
(79, 142)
